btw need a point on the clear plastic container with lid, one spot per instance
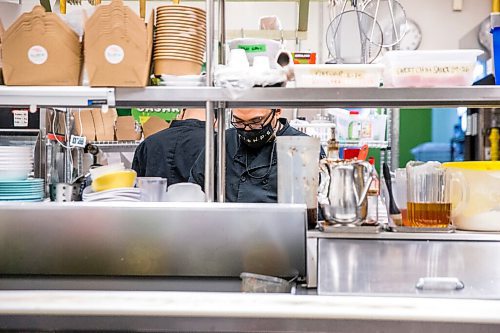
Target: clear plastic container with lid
(426, 68)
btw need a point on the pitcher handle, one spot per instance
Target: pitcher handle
(368, 182)
(457, 178)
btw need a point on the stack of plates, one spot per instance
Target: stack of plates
(180, 40)
(119, 194)
(16, 162)
(22, 190)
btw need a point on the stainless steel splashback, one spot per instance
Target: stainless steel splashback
(152, 239)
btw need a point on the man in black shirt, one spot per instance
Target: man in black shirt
(251, 156)
(171, 153)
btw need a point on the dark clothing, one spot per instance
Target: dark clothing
(171, 152)
(251, 174)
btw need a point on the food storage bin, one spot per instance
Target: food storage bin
(362, 75)
(480, 210)
(441, 68)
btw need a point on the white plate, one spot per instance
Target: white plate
(128, 192)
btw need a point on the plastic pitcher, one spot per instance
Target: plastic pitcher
(428, 190)
(298, 173)
(480, 210)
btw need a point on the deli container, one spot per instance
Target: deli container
(441, 68)
(339, 75)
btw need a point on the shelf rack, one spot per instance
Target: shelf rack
(56, 96)
(485, 96)
(219, 99)
(310, 97)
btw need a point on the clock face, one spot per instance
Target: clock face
(413, 37)
(484, 35)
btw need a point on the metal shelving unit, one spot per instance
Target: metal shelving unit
(485, 96)
(311, 97)
(56, 96)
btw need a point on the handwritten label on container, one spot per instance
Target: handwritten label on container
(439, 70)
(253, 48)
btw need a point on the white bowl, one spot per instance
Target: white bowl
(185, 192)
(15, 174)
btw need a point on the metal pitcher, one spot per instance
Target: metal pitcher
(342, 190)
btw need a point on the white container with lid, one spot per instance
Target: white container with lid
(439, 68)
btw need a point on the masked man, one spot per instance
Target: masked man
(251, 156)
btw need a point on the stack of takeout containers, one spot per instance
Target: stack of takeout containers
(180, 40)
(118, 47)
(40, 49)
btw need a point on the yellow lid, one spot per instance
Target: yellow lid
(474, 165)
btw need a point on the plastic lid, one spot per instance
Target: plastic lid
(371, 160)
(353, 112)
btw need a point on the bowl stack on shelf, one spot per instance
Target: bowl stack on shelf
(180, 40)
(112, 183)
(39, 48)
(16, 163)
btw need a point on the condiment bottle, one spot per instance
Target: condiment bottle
(372, 196)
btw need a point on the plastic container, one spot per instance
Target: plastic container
(480, 210)
(153, 189)
(256, 283)
(298, 176)
(362, 75)
(400, 194)
(354, 128)
(185, 192)
(341, 121)
(379, 125)
(440, 68)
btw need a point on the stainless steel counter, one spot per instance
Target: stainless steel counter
(453, 236)
(235, 312)
(152, 239)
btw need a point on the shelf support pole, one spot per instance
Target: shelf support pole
(209, 124)
(221, 152)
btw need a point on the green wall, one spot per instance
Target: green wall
(415, 128)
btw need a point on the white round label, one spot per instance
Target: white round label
(38, 54)
(114, 54)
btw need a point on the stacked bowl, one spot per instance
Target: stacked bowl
(180, 40)
(16, 162)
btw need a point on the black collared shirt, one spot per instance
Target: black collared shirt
(251, 174)
(171, 153)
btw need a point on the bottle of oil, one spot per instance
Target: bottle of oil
(333, 146)
(494, 143)
(492, 149)
(372, 196)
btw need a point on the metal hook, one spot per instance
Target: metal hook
(242, 33)
(282, 37)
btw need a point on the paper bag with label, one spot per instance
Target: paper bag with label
(84, 124)
(154, 125)
(104, 123)
(118, 47)
(127, 129)
(40, 49)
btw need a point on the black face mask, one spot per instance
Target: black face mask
(258, 137)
